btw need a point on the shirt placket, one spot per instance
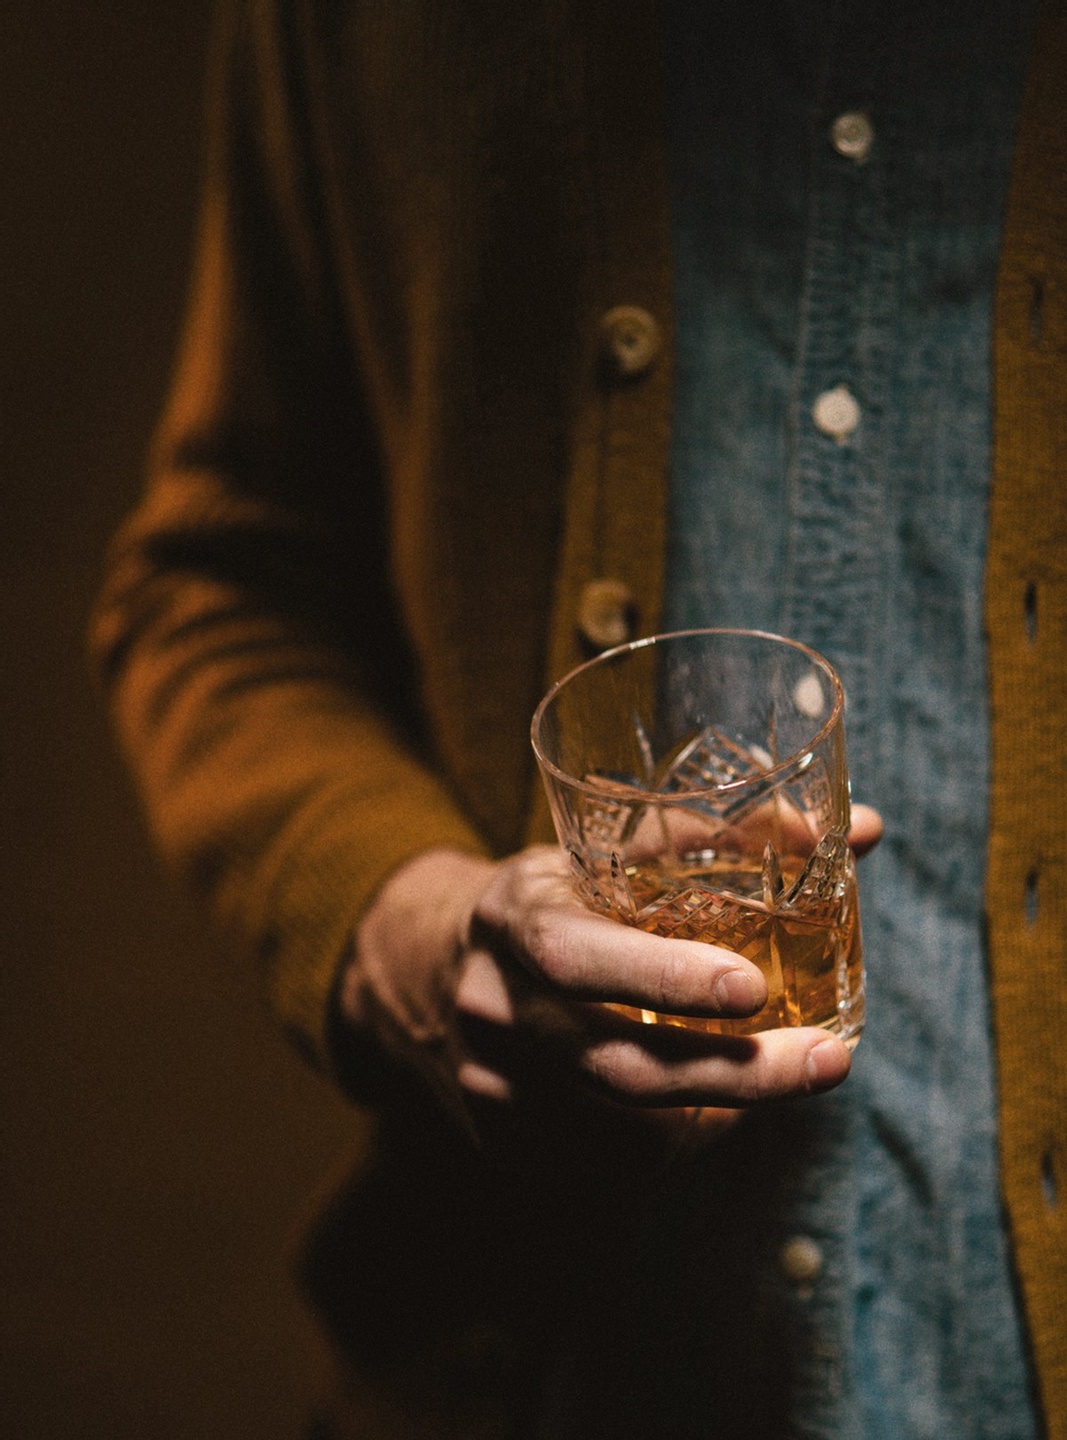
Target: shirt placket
(835, 585)
(836, 598)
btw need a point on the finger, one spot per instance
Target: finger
(530, 916)
(512, 1028)
(519, 1041)
(866, 830)
(590, 957)
(516, 1035)
(678, 830)
(511, 1033)
(484, 1081)
(482, 992)
(667, 1068)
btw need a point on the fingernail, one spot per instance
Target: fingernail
(736, 991)
(827, 1064)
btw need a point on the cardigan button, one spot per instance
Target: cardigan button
(630, 341)
(607, 614)
(852, 135)
(801, 1261)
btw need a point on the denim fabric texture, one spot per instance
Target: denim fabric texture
(863, 270)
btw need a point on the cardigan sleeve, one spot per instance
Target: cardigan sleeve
(247, 632)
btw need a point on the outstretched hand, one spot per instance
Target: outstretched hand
(495, 980)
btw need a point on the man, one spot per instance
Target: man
(449, 295)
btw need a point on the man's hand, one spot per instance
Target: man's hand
(538, 966)
(497, 981)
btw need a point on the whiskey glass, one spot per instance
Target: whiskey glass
(699, 786)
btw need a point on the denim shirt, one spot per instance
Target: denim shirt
(838, 175)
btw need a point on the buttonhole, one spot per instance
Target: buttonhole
(1032, 897)
(1037, 302)
(1049, 1187)
(1030, 611)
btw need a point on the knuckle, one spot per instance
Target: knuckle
(672, 977)
(624, 1071)
(490, 907)
(545, 942)
(776, 1068)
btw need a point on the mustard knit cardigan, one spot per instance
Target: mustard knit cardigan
(396, 453)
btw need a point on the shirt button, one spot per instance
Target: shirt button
(836, 413)
(629, 341)
(607, 614)
(801, 1261)
(852, 135)
(808, 696)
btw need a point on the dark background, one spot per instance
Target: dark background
(159, 1142)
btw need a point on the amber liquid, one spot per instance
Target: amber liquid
(812, 956)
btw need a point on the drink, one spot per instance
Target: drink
(805, 938)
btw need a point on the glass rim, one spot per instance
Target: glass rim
(616, 789)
